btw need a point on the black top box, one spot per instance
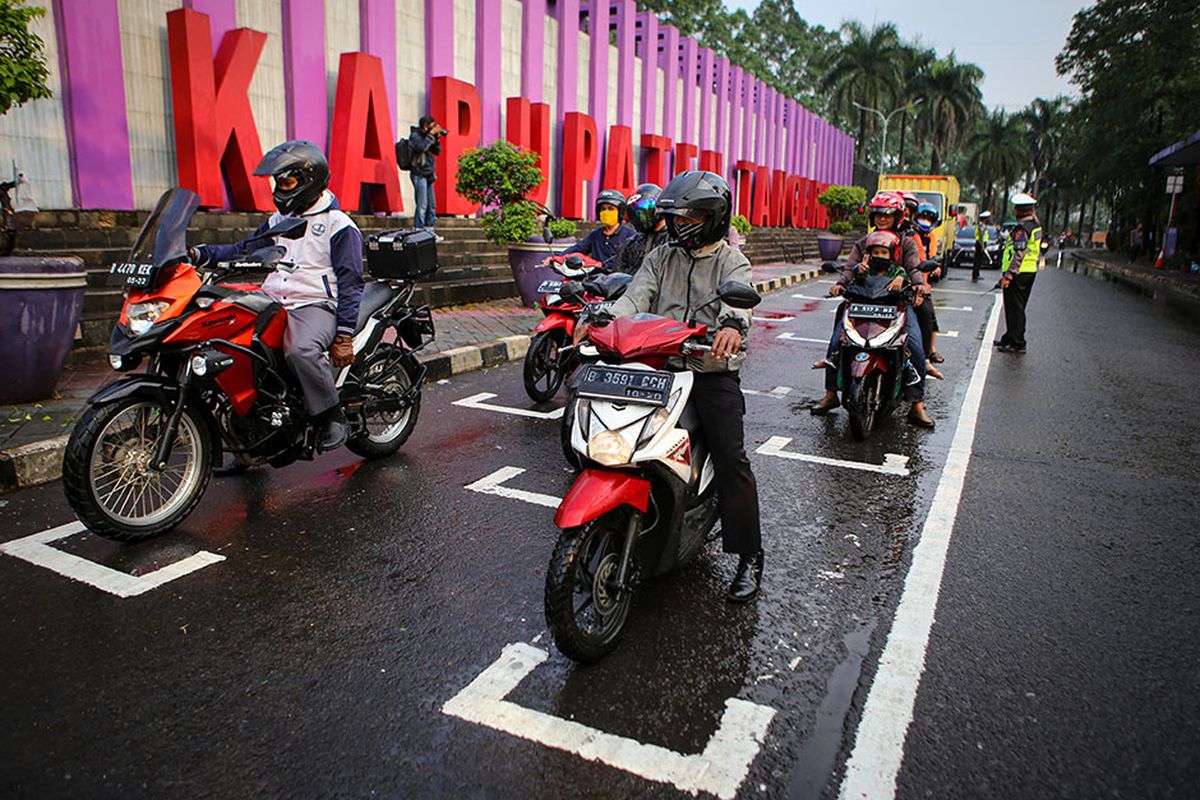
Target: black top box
(401, 255)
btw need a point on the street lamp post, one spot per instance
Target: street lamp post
(886, 120)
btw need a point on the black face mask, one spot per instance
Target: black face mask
(879, 263)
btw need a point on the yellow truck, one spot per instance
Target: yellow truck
(940, 190)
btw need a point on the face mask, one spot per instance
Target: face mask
(879, 263)
(925, 225)
(608, 217)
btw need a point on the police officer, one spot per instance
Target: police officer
(322, 294)
(1020, 266)
(981, 242)
(675, 282)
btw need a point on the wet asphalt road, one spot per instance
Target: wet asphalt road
(355, 599)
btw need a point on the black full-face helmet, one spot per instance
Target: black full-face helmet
(699, 195)
(611, 197)
(642, 210)
(303, 161)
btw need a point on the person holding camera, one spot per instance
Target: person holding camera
(425, 142)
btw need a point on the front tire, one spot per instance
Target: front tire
(862, 403)
(564, 436)
(108, 477)
(543, 369)
(584, 610)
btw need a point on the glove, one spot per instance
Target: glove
(341, 354)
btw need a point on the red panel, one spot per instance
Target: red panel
(580, 155)
(455, 105)
(712, 161)
(528, 127)
(362, 144)
(657, 148)
(794, 195)
(760, 209)
(618, 163)
(684, 154)
(194, 103)
(237, 134)
(745, 181)
(598, 491)
(779, 215)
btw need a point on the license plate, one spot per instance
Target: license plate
(136, 275)
(864, 311)
(630, 385)
(550, 286)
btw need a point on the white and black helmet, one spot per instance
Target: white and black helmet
(698, 195)
(303, 161)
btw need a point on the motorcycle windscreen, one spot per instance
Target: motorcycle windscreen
(163, 238)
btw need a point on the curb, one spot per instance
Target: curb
(41, 462)
(1188, 294)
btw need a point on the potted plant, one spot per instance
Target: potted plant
(741, 226)
(500, 178)
(841, 202)
(40, 298)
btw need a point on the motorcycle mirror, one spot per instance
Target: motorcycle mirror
(831, 266)
(287, 228)
(928, 266)
(267, 256)
(738, 295)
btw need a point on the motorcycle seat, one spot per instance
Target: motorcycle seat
(610, 286)
(375, 296)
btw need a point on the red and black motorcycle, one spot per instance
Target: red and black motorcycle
(216, 382)
(551, 355)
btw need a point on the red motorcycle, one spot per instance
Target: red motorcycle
(140, 457)
(551, 355)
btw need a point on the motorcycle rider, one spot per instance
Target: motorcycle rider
(642, 212)
(673, 282)
(886, 210)
(1020, 265)
(605, 243)
(322, 292)
(928, 243)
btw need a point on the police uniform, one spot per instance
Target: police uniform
(1020, 263)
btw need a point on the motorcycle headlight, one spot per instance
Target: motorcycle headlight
(889, 332)
(655, 422)
(142, 315)
(852, 332)
(583, 416)
(610, 449)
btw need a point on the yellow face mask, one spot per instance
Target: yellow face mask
(608, 217)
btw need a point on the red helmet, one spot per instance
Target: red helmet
(887, 203)
(887, 239)
(910, 199)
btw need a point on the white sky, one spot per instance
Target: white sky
(1014, 41)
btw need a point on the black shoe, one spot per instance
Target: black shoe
(745, 583)
(334, 432)
(1001, 342)
(1012, 348)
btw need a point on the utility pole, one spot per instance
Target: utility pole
(886, 121)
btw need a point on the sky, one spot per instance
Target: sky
(1014, 41)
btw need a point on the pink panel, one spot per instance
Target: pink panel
(689, 67)
(780, 159)
(533, 50)
(377, 36)
(668, 40)
(707, 76)
(304, 83)
(768, 117)
(568, 56)
(439, 40)
(598, 24)
(626, 22)
(222, 17)
(735, 100)
(487, 66)
(748, 105)
(648, 49)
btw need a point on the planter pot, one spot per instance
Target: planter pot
(525, 260)
(40, 303)
(829, 245)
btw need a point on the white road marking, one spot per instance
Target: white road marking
(493, 484)
(810, 297)
(893, 464)
(719, 770)
(791, 337)
(782, 318)
(961, 291)
(948, 334)
(36, 549)
(879, 745)
(952, 308)
(778, 392)
(477, 401)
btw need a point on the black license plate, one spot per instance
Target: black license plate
(864, 311)
(137, 275)
(631, 385)
(548, 287)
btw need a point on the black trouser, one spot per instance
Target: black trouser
(927, 319)
(719, 404)
(1016, 297)
(979, 256)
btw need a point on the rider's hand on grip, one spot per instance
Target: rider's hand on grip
(836, 289)
(341, 354)
(726, 343)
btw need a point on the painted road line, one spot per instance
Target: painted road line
(493, 484)
(879, 744)
(791, 337)
(948, 334)
(780, 318)
(36, 549)
(893, 464)
(719, 770)
(810, 297)
(477, 401)
(936, 307)
(778, 392)
(962, 291)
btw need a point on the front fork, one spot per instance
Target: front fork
(631, 532)
(168, 439)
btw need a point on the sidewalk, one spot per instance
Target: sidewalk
(34, 435)
(1183, 286)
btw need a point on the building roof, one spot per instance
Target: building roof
(1185, 151)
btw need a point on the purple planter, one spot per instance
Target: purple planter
(829, 245)
(525, 260)
(40, 302)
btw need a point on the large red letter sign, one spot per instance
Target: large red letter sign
(528, 127)
(760, 208)
(455, 105)
(656, 148)
(795, 201)
(362, 144)
(712, 161)
(580, 154)
(618, 163)
(684, 153)
(214, 124)
(745, 180)
(778, 199)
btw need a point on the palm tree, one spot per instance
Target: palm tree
(997, 152)
(866, 70)
(915, 62)
(952, 102)
(1045, 119)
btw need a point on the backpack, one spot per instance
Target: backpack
(404, 155)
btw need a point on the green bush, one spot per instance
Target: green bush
(741, 225)
(511, 224)
(497, 175)
(841, 202)
(562, 228)
(23, 71)
(840, 227)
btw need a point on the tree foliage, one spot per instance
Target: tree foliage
(23, 72)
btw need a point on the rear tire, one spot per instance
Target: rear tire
(543, 370)
(386, 432)
(585, 613)
(109, 482)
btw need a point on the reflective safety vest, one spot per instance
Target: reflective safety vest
(1033, 249)
(981, 234)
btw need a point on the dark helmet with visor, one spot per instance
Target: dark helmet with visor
(642, 209)
(701, 196)
(611, 197)
(303, 161)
